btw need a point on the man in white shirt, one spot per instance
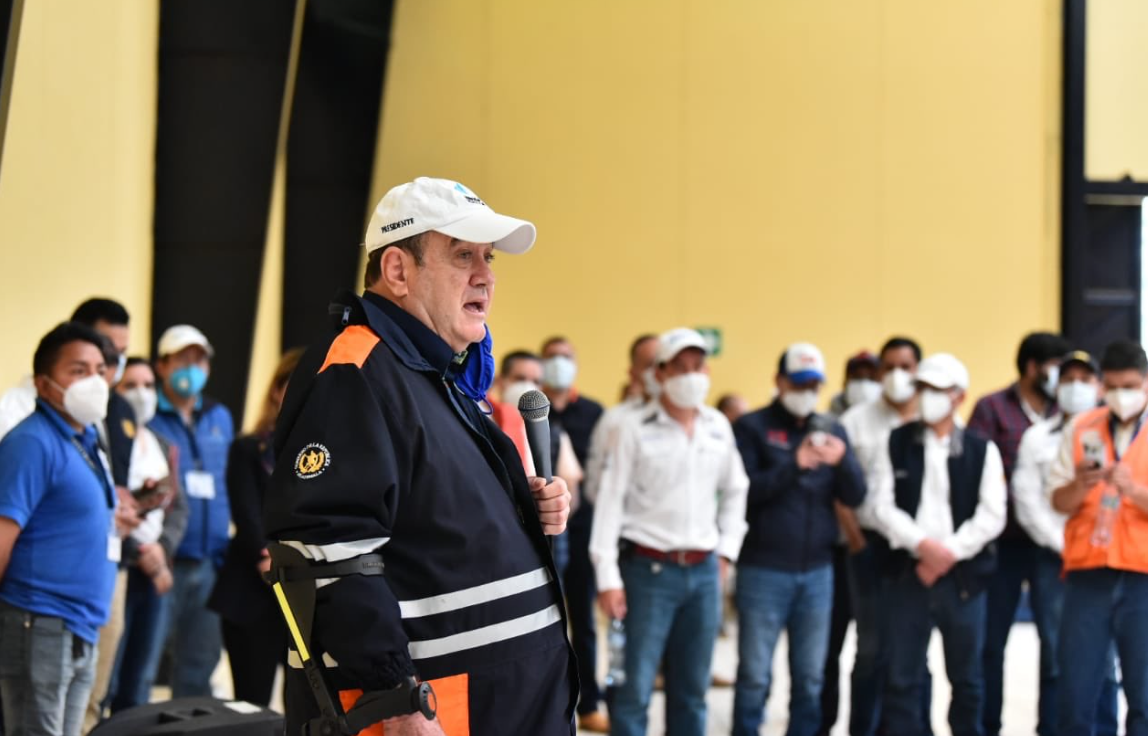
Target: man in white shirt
(669, 518)
(1078, 391)
(868, 427)
(940, 501)
(642, 389)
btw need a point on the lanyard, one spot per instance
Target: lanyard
(97, 468)
(1112, 433)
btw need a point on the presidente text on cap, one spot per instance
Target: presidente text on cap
(675, 341)
(803, 363)
(178, 337)
(943, 371)
(447, 207)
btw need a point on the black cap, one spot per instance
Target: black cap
(1080, 357)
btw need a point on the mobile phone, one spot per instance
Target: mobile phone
(1094, 451)
(149, 491)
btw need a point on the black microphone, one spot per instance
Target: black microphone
(820, 426)
(535, 410)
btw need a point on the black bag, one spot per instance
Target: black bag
(193, 717)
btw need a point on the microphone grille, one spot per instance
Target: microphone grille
(533, 405)
(820, 423)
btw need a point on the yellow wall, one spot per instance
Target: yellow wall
(830, 171)
(76, 179)
(825, 171)
(1116, 105)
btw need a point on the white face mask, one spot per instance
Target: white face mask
(650, 382)
(936, 406)
(799, 403)
(899, 386)
(143, 401)
(1049, 384)
(512, 393)
(559, 372)
(86, 400)
(121, 366)
(1125, 403)
(1076, 397)
(687, 391)
(861, 391)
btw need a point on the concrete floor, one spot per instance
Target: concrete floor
(1021, 682)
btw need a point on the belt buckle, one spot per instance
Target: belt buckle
(681, 556)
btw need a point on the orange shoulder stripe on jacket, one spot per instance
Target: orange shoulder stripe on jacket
(352, 346)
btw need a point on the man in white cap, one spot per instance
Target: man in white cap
(408, 542)
(940, 502)
(799, 464)
(202, 430)
(669, 518)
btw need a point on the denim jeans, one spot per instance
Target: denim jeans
(913, 611)
(769, 601)
(46, 675)
(673, 616)
(867, 594)
(838, 627)
(580, 596)
(195, 630)
(1101, 607)
(1047, 596)
(867, 588)
(1018, 561)
(137, 660)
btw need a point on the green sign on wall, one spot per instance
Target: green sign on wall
(712, 337)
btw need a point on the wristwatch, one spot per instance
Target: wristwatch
(422, 698)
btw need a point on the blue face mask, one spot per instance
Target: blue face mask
(477, 375)
(188, 381)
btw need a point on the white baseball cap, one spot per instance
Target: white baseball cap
(675, 341)
(447, 207)
(802, 363)
(178, 337)
(943, 371)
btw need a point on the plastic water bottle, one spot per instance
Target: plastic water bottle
(616, 647)
(1106, 517)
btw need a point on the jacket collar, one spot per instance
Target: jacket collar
(87, 434)
(412, 342)
(164, 405)
(956, 438)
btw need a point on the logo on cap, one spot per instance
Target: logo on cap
(468, 195)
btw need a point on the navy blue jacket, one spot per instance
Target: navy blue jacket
(966, 466)
(792, 525)
(377, 450)
(202, 447)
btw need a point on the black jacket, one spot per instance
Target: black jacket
(240, 594)
(966, 467)
(375, 447)
(792, 524)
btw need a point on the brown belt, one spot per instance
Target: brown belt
(683, 557)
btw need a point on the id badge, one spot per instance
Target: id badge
(115, 544)
(200, 485)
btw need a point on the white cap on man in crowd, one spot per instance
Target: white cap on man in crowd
(943, 371)
(449, 208)
(178, 337)
(803, 363)
(675, 341)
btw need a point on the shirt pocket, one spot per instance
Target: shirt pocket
(711, 458)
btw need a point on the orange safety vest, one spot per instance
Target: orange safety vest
(1128, 549)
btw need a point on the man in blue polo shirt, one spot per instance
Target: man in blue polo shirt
(58, 539)
(202, 430)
